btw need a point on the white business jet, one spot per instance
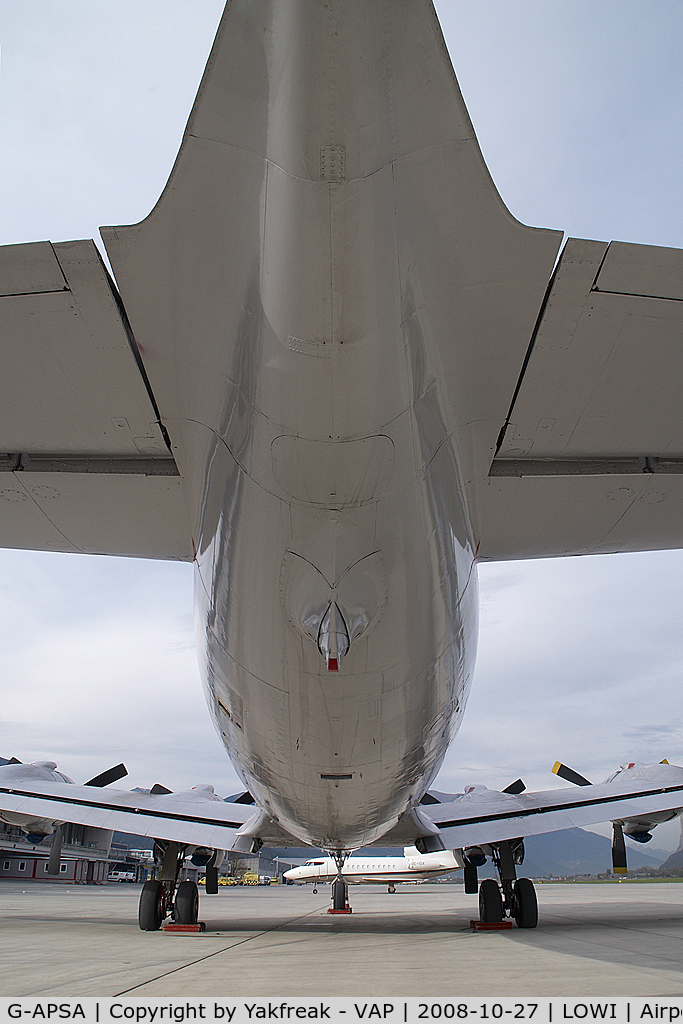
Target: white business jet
(413, 866)
(334, 372)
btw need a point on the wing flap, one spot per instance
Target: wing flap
(591, 456)
(71, 382)
(105, 513)
(633, 269)
(89, 468)
(535, 517)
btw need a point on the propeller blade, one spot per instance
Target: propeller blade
(245, 798)
(618, 849)
(569, 775)
(119, 771)
(56, 852)
(159, 790)
(515, 788)
(470, 879)
(211, 887)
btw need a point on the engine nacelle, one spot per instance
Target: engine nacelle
(36, 829)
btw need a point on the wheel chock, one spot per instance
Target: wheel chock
(347, 910)
(171, 926)
(490, 926)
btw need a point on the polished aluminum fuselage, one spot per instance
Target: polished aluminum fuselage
(330, 486)
(316, 297)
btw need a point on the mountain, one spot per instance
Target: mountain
(574, 851)
(132, 842)
(674, 863)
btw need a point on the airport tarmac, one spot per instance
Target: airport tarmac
(592, 940)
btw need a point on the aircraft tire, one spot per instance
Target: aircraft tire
(490, 902)
(526, 904)
(338, 894)
(151, 909)
(187, 903)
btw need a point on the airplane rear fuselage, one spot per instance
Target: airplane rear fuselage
(328, 489)
(312, 296)
(329, 466)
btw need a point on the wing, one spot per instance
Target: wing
(484, 816)
(182, 818)
(590, 458)
(89, 468)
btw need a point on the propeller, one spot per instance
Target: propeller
(515, 788)
(244, 798)
(119, 771)
(55, 857)
(619, 866)
(470, 878)
(211, 887)
(569, 775)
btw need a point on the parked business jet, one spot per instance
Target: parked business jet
(413, 866)
(334, 372)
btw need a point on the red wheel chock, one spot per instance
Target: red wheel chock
(171, 926)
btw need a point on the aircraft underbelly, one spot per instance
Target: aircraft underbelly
(315, 297)
(332, 474)
(337, 756)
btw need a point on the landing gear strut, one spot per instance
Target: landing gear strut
(340, 890)
(513, 897)
(163, 897)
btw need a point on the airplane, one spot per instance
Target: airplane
(335, 373)
(411, 867)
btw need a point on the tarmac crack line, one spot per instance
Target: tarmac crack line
(216, 952)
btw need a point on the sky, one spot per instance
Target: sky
(576, 105)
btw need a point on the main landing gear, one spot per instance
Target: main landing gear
(166, 897)
(511, 898)
(340, 889)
